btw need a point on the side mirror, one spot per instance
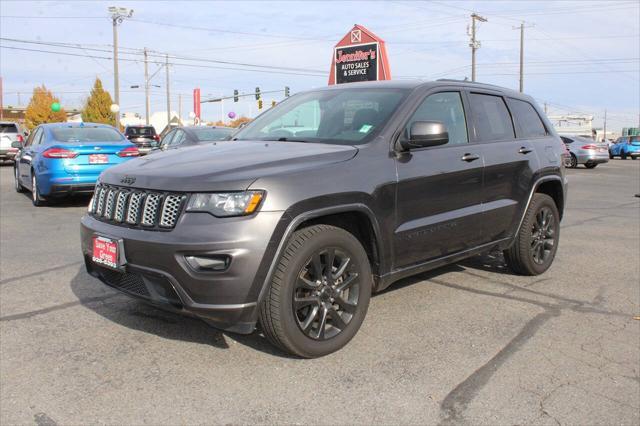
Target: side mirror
(423, 134)
(16, 144)
(26, 133)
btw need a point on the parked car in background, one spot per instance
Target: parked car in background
(9, 132)
(145, 137)
(626, 146)
(585, 151)
(65, 158)
(194, 135)
(388, 180)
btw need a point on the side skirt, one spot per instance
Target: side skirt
(393, 276)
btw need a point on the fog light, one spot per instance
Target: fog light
(209, 263)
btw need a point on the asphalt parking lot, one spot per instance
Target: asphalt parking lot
(469, 343)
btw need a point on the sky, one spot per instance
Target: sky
(580, 56)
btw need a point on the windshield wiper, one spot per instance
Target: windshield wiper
(285, 139)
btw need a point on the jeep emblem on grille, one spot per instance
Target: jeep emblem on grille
(128, 180)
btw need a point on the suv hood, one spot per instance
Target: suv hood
(223, 166)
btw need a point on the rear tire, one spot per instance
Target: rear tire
(573, 162)
(591, 165)
(16, 177)
(37, 199)
(319, 294)
(534, 248)
(610, 156)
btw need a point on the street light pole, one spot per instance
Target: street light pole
(147, 99)
(168, 92)
(118, 14)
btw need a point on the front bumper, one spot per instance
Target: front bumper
(156, 269)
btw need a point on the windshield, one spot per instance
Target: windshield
(212, 134)
(344, 116)
(141, 131)
(8, 128)
(86, 134)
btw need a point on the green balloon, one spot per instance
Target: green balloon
(55, 107)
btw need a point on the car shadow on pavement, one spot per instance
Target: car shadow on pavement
(138, 315)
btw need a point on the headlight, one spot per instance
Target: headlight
(225, 204)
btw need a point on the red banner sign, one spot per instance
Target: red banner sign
(196, 102)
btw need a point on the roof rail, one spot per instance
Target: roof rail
(469, 82)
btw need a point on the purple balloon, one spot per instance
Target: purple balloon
(232, 115)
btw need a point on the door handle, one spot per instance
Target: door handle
(470, 157)
(524, 150)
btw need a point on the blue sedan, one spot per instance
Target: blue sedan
(626, 146)
(65, 158)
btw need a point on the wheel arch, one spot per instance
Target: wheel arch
(356, 218)
(553, 188)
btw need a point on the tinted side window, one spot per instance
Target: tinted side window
(37, 138)
(166, 141)
(445, 107)
(491, 117)
(178, 138)
(527, 119)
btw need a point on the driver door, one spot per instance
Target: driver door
(439, 192)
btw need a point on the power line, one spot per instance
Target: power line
(162, 55)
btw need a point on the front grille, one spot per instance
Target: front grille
(136, 207)
(129, 282)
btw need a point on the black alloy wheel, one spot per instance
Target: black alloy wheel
(326, 293)
(536, 243)
(319, 292)
(542, 236)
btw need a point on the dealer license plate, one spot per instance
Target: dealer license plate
(98, 158)
(105, 252)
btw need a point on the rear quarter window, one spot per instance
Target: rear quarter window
(527, 119)
(492, 120)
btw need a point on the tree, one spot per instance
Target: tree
(39, 109)
(97, 108)
(233, 123)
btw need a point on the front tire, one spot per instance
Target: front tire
(16, 175)
(573, 162)
(536, 243)
(623, 155)
(37, 199)
(319, 294)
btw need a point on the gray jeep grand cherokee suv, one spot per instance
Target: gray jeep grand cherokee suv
(332, 195)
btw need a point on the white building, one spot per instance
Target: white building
(573, 124)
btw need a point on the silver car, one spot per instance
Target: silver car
(585, 151)
(9, 132)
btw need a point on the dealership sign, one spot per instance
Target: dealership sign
(359, 56)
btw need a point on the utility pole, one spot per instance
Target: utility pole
(522, 27)
(546, 109)
(118, 14)
(474, 44)
(1, 104)
(168, 91)
(605, 125)
(19, 100)
(147, 98)
(180, 106)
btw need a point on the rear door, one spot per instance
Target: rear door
(508, 129)
(439, 191)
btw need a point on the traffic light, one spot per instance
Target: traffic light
(286, 91)
(257, 93)
(259, 103)
(273, 103)
(235, 96)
